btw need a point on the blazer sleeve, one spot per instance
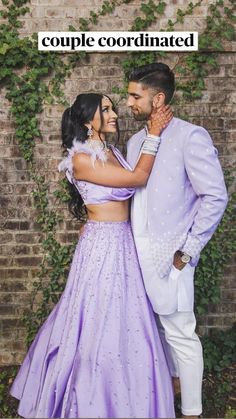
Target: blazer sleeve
(132, 151)
(206, 177)
(129, 154)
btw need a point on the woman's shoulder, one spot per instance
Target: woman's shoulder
(80, 151)
(91, 148)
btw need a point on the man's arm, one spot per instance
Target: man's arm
(205, 174)
(129, 152)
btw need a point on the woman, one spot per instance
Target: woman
(99, 354)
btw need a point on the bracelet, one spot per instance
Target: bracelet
(151, 145)
(155, 137)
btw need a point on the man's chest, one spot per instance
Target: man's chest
(169, 161)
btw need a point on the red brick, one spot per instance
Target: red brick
(68, 237)
(17, 225)
(13, 286)
(6, 237)
(214, 321)
(27, 261)
(32, 237)
(13, 273)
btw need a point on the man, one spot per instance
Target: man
(173, 218)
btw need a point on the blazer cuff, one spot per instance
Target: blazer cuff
(193, 248)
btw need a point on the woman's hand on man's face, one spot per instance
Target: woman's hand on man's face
(159, 119)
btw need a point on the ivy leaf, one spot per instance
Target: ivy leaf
(4, 48)
(72, 28)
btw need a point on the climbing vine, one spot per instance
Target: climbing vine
(24, 72)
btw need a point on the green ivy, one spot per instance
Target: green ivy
(7, 407)
(107, 8)
(219, 349)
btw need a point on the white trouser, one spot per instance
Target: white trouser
(184, 356)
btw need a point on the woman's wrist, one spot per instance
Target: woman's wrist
(151, 144)
(153, 136)
(154, 132)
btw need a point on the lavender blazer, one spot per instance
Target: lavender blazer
(186, 193)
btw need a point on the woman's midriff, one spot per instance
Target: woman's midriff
(109, 211)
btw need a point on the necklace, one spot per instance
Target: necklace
(98, 145)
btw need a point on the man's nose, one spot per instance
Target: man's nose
(130, 101)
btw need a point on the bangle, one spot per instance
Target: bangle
(151, 145)
(154, 137)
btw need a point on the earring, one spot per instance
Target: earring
(90, 133)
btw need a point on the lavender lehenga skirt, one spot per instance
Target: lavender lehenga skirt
(98, 354)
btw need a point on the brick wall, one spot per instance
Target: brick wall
(20, 251)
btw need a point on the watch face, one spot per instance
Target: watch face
(185, 258)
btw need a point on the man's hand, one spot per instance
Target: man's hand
(178, 264)
(159, 119)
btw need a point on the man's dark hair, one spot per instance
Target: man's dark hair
(157, 76)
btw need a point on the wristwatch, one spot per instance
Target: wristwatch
(185, 258)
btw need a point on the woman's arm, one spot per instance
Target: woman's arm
(109, 175)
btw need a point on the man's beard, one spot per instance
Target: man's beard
(141, 116)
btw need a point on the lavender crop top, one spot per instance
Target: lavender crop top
(91, 192)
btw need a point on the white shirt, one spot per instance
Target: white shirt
(178, 286)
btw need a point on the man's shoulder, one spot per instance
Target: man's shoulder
(180, 125)
(188, 134)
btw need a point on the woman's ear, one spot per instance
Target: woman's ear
(158, 100)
